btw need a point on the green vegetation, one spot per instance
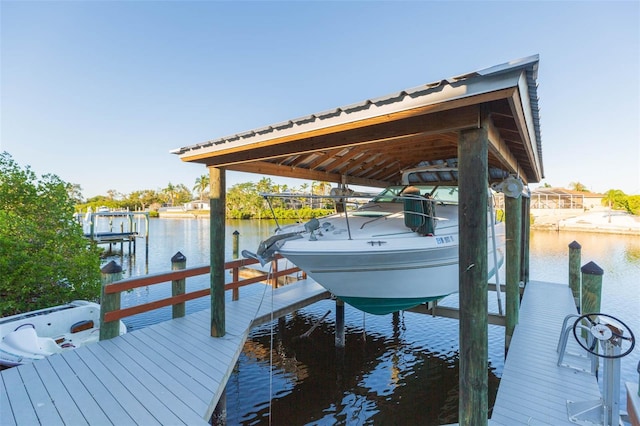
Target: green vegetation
(244, 200)
(618, 200)
(44, 258)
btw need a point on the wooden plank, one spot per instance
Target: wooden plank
(170, 396)
(187, 395)
(81, 396)
(23, 410)
(94, 384)
(40, 398)
(6, 414)
(132, 386)
(203, 380)
(60, 396)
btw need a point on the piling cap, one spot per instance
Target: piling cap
(111, 268)
(592, 269)
(178, 257)
(575, 245)
(236, 232)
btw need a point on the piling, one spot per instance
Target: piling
(574, 272)
(178, 262)
(473, 268)
(591, 288)
(513, 218)
(111, 273)
(236, 243)
(526, 238)
(340, 340)
(217, 182)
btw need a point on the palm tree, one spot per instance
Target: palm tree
(201, 186)
(577, 186)
(170, 192)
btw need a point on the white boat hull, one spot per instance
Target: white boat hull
(383, 279)
(393, 253)
(35, 335)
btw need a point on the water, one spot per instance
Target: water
(395, 369)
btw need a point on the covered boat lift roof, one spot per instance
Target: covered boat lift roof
(371, 142)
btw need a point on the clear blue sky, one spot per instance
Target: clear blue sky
(100, 92)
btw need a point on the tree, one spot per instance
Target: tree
(577, 186)
(615, 199)
(202, 186)
(170, 192)
(44, 258)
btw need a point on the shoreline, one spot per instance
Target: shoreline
(594, 221)
(598, 221)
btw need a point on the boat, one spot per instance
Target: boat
(34, 335)
(395, 252)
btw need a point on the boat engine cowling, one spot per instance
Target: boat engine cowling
(418, 211)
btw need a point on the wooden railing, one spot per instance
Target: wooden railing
(114, 289)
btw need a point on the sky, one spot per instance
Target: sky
(100, 92)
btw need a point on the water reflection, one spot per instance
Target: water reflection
(384, 375)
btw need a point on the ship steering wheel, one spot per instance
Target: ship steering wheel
(604, 328)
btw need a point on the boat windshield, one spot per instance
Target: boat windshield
(393, 194)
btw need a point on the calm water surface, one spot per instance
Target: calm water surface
(397, 368)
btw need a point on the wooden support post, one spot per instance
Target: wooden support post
(235, 293)
(526, 238)
(111, 273)
(178, 262)
(274, 270)
(472, 215)
(591, 288)
(574, 272)
(217, 181)
(513, 218)
(340, 340)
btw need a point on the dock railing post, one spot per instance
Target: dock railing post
(111, 273)
(178, 262)
(574, 272)
(235, 293)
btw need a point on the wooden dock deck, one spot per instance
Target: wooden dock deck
(167, 373)
(533, 389)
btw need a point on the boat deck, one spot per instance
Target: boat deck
(168, 373)
(533, 389)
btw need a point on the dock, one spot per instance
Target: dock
(174, 373)
(129, 229)
(533, 389)
(168, 373)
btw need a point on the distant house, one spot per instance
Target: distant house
(196, 205)
(561, 198)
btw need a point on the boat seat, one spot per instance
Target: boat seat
(25, 339)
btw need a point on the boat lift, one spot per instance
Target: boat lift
(602, 336)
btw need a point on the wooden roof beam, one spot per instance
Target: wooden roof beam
(266, 168)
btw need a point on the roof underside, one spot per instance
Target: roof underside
(370, 143)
